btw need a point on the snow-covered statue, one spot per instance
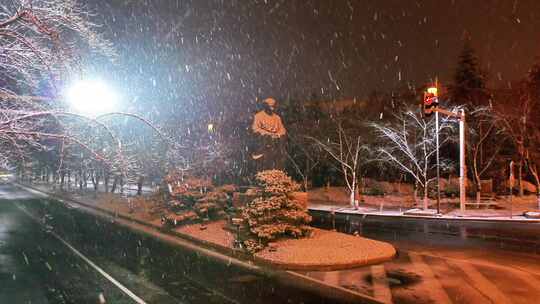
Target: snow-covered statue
(269, 138)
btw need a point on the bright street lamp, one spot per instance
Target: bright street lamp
(91, 97)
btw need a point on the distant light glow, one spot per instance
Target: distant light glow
(91, 97)
(432, 90)
(210, 127)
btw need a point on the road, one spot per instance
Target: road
(51, 252)
(436, 267)
(36, 266)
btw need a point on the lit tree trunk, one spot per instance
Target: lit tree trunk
(140, 185)
(62, 175)
(81, 177)
(95, 180)
(352, 189)
(477, 181)
(534, 171)
(106, 182)
(306, 175)
(347, 154)
(85, 178)
(122, 185)
(115, 182)
(349, 185)
(520, 179)
(426, 198)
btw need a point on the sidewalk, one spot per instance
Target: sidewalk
(472, 215)
(401, 206)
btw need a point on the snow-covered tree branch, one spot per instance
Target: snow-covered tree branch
(486, 137)
(409, 144)
(42, 39)
(42, 43)
(350, 154)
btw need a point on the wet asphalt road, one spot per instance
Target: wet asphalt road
(444, 262)
(37, 267)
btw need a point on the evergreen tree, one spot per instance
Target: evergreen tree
(274, 213)
(469, 86)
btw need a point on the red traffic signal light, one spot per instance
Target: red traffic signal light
(431, 102)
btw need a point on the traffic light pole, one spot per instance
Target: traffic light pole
(462, 165)
(438, 171)
(431, 104)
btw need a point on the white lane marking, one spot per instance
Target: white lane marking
(75, 205)
(432, 284)
(124, 289)
(102, 272)
(482, 284)
(381, 290)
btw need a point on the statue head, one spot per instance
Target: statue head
(270, 105)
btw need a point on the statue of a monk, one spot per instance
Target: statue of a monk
(269, 135)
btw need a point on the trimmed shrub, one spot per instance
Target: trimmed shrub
(274, 213)
(194, 199)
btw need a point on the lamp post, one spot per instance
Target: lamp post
(462, 165)
(438, 163)
(511, 181)
(431, 105)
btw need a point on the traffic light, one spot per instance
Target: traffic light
(431, 102)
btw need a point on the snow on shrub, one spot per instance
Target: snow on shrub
(274, 213)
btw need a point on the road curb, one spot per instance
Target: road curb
(215, 253)
(423, 217)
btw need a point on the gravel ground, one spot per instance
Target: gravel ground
(327, 250)
(324, 250)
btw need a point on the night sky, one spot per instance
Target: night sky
(220, 52)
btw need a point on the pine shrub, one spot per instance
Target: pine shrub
(274, 214)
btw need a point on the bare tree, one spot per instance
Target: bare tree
(42, 39)
(305, 157)
(349, 152)
(486, 137)
(42, 43)
(520, 126)
(409, 143)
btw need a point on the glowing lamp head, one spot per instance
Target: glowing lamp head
(91, 97)
(432, 91)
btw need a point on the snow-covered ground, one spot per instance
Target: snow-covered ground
(337, 199)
